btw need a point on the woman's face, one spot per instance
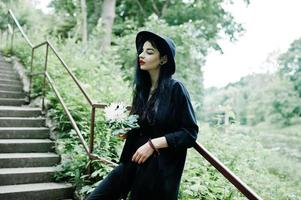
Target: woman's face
(149, 58)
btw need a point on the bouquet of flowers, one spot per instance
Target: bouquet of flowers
(118, 119)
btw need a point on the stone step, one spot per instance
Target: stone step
(7, 71)
(12, 101)
(10, 77)
(9, 81)
(6, 66)
(21, 122)
(9, 87)
(4, 61)
(11, 94)
(13, 160)
(26, 145)
(12, 176)
(24, 132)
(15, 111)
(36, 191)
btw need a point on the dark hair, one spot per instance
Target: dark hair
(142, 84)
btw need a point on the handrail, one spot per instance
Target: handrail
(71, 74)
(20, 28)
(68, 113)
(88, 149)
(74, 124)
(242, 187)
(39, 45)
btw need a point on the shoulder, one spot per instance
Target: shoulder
(178, 87)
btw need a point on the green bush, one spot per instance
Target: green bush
(270, 174)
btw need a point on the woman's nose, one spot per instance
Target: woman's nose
(141, 55)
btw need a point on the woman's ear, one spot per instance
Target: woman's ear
(163, 60)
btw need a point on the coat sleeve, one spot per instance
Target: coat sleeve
(186, 135)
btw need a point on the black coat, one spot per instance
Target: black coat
(159, 177)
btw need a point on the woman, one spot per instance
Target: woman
(153, 157)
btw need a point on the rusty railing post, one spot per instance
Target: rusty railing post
(91, 146)
(12, 39)
(44, 81)
(7, 35)
(1, 38)
(30, 75)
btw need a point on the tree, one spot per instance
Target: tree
(291, 64)
(107, 20)
(84, 27)
(209, 15)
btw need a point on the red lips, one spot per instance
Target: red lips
(141, 62)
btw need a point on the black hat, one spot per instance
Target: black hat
(166, 43)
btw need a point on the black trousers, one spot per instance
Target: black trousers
(116, 185)
(140, 181)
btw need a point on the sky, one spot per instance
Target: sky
(271, 25)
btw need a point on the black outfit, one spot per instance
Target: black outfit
(158, 178)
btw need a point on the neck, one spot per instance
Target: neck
(154, 75)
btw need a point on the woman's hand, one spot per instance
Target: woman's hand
(142, 153)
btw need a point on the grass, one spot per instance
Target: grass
(245, 151)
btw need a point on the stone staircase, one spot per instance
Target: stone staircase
(27, 157)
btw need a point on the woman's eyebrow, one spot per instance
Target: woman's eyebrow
(150, 49)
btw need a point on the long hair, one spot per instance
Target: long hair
(148, 110)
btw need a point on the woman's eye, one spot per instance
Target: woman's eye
(150, 53)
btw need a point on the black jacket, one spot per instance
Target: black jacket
(159, 177)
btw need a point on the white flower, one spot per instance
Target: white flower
(115, 111)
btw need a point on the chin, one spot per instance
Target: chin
(143, 68)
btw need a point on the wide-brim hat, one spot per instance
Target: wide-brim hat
(165, 42)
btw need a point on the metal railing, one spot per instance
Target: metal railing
(242, 187)
(49, 47)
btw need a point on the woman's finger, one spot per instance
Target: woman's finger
(134, 157)
(141, 159)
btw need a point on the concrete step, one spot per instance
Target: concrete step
(9, 87)
(6, 67)
(12, 101)
(21, 122)
(10, 77)
(36, 191)
(26, 145)
(15, 111)
(3, 61)
(13, 160)
(9, 81)
(11, 94)
(12, 176)
(7, 71)
(24, 132)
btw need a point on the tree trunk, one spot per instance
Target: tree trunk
(165, 7)
(84, 27)
(107, 16)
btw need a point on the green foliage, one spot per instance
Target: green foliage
(257, 98)
(3, 16)
(95, 76)
(209, 16)
(68, 22)
(290, 63)
(106, 78)
(270, 174)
